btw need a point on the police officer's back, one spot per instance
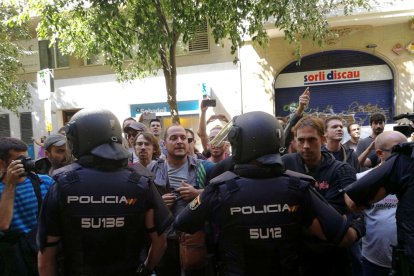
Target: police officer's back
(258, 209)
(100, 210)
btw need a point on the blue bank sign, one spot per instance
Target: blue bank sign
(163, 109)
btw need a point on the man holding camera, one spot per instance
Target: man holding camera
(21, 194)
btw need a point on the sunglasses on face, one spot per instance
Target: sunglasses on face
(132, 134)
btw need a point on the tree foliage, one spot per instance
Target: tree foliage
(138, 37)
(13, 92)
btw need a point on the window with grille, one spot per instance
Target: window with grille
(4, 125)
(26, 128)
(199, 43)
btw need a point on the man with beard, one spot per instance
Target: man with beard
(56, 152)
(180, 179)
(132, 130)
(334, 134)
(319, 257)
(147, 149)
(366, 147)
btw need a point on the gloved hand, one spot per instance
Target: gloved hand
(143, 271)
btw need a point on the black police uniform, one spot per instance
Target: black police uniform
(259, 220)
(396, 175)
(99, 216)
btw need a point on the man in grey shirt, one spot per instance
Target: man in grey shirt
(366, 147)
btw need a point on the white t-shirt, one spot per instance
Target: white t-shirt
(381, 230)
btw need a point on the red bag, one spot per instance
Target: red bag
(193, 250)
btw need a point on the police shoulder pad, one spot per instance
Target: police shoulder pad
(223, 177)
(141, 170)
(299, 175)
(67, 168)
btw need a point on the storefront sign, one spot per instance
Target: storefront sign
(163, 109)
(334, 76)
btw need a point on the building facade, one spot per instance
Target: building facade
(366, 66)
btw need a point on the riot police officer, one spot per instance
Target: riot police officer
(99, 210)
(259, 210)
(394, 176)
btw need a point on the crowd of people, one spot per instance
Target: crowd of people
(275, 196)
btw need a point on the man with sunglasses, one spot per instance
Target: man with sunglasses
(192, 150)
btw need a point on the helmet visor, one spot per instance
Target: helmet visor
(222, 135)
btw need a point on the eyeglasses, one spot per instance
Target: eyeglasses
(190, 140)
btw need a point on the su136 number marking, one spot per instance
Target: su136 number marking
(106, 222)
(265, 233)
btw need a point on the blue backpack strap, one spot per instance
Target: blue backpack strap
(35, 180)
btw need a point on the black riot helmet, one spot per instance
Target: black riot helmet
(256, 135)
(96, 132)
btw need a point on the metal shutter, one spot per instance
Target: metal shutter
(359, 98)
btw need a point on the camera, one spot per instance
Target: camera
(405, 129)
(209, 102)
(29, 165)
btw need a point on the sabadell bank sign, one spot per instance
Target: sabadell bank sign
(334, 76)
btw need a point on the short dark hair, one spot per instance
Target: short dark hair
(155, 120)
(376, 117)
(9, 143)
(348, 127)
(168, 128)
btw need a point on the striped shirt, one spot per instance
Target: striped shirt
(25, 209)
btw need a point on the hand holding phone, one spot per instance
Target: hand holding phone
(208, 103)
